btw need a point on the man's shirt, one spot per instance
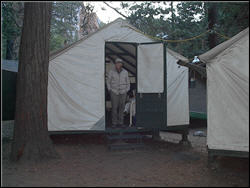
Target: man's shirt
(118, 82)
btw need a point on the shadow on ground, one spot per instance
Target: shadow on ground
(86, 161)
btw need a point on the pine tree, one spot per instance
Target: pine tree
(31, 140)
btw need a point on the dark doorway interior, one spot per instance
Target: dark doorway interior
(126, 52)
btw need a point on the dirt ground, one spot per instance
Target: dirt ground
(86, 161)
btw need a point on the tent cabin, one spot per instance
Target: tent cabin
(9, 74)
(227, 71)
(77, 100)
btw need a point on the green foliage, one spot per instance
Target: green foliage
(176, 20)
(232, 17)
(12, 13)
(186, 20)
(64, 23)
(183, 21)
(147, 16)
(56, 42)
(191, 21)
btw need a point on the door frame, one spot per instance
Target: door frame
(136, 64)
(113, 42)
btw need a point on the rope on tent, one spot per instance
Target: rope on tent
(156, 38)
(223, 36)
(175, 41)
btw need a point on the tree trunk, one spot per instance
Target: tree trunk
(31, 140)
(211, 22)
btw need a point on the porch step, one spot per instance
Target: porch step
(126, 130)
(125, 146)
(126, 138)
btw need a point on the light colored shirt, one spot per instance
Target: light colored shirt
(130, 107)
(118, 83)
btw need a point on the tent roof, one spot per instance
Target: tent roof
(211, 54)
(66, 48)
(178, 56)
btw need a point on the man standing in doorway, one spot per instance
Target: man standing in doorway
(118, 85)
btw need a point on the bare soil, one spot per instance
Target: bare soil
(86, 161)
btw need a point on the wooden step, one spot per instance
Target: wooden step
(126, 130)
(116, 137)
(125, 136)
(121, 146)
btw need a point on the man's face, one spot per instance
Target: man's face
(118, 66)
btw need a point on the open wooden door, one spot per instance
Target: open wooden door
(151, 86)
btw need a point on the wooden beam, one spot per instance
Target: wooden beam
(194, 67)
(124, 50)
(122, 54)
(121, 57)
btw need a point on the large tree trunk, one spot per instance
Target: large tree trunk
(211, 23)
(31, 139)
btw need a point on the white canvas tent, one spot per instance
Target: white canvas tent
(227, 67)
(76, 100)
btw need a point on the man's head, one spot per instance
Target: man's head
(118, 64)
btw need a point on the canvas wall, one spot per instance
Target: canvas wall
(76, 83)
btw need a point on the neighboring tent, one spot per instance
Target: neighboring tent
(9, 74)
(76, 88)
(227, 67)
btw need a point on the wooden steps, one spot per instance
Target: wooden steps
(125, 138)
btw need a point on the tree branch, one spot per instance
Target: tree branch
(115, 10)
(145, 23)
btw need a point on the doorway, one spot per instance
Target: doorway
(127, 52)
